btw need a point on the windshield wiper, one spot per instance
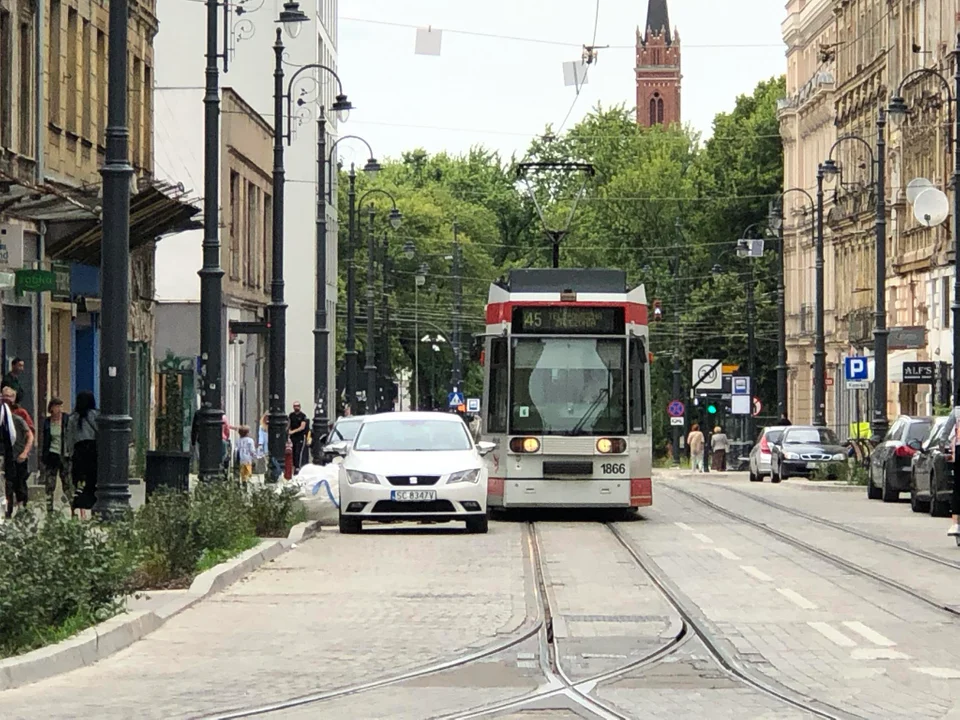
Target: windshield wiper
(593, 406)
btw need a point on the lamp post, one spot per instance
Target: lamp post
(114, 423)
(370, 368)
(819, 351)
(776, 222)
(879, 423)
(419, 280)
(457, 309)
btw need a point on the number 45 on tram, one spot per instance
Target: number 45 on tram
(566, 392)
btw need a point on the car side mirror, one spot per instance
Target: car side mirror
(337, 448)
(485, 448)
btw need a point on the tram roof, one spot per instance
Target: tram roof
(580, 280)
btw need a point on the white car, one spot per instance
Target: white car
(760, 454)
(412, 466)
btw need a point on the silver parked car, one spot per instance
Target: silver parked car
(760, 454)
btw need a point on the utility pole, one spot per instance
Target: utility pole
(321, 336)
(781, 326)
(880, 425)
(751, 351)
(114, 423)
(677, 390)
(819, 352)
(457, 309)
(371, 365)
(351, 351)
(384, 400)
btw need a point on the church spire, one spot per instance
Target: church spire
(658, 19)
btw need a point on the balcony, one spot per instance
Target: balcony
(860, 326)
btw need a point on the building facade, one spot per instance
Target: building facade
(53, 87)
(658, 68)
(245, 193)
(845, 61)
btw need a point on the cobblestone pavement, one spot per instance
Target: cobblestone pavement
(814, 628)
(337, 611)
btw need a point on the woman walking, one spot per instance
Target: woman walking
(81, 448)
(695, 442)
(719, 443)
(53, 455)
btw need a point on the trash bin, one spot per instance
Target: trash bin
(167, 468)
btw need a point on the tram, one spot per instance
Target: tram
(566, 394)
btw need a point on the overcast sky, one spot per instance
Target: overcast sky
(499, 91)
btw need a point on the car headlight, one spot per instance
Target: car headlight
(464, 476)
(355, 477)
(840, 456)
(791, 456)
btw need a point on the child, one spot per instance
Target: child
(245, 453)
(52, 457)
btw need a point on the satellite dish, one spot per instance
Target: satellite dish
(931, 207)
(915, 187)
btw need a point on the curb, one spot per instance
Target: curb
(822, 487)
(103, 640)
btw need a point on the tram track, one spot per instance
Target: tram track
(826, 554)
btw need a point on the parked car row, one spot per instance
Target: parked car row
(794, 451)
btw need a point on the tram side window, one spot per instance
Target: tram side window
(638, 386)
(498, 400)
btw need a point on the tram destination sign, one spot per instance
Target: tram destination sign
(568, 320)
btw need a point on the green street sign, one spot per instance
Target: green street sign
(62, 291)
(36, 281)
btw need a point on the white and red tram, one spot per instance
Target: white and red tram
(566, 393)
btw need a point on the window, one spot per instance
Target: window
(497, 400)
(413, 436)
(6, 79)
(101, 87)
(234, 225)
(25, 109)
(945, 302)
(148, 118)
(653, 112)
(638, 386)
(660, 111)
(265, 267)
(54, 65)
(252, 230)
(136, 116)
(86, 110)
(70, 123)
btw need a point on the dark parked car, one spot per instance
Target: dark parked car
(932, 469)
(802, 450)
(890, 460)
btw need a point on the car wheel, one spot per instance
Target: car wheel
(888, 494)
(477, 525)
(873, 492)
(916, 504)
(938, 508)
(774, 475)
(755, 478)
(350, 525)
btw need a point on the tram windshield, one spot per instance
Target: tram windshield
(568, 386)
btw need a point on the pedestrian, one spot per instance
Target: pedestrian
(12, 378)
(245, 453)
(719, 443)
(784, 421)
(52, 456)
(263, 436)
(16, 438)
(10, 397)
(81, 449)
(298, 435)
(955, 496)
(696, 444)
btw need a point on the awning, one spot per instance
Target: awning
(73, 215)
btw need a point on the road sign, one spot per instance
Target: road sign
(919, 373)
(858, 384)
(675, 409)
(455, 399)
(676, 421)
(473, 405)
(740, 405)
(757, 406)
(855, 368)
(740, 386)
(707, 375)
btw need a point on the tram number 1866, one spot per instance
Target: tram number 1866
(613, 468)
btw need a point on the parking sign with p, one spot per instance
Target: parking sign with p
(855, 368)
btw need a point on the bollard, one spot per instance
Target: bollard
(288, 460)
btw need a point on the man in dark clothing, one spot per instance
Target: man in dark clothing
(784, 421)
(298, 435)
(16, 439)
(12, 378)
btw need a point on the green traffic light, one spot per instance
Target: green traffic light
(712, 409)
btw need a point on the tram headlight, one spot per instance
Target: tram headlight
(524, 445)
(611, 445)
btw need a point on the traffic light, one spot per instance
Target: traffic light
(657, 311)
(712, 409)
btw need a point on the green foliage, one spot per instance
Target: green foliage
(57, 577)
(272, 513)
(851, 473)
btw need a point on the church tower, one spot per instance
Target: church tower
(658, 68)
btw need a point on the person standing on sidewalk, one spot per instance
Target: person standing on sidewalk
(298, 435)
(16, 439)
(51, 456)
(695, 442)
(12, 378)
(81, 448)
(719, 443)
(246, 452)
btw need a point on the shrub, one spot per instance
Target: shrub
(273, 513)
(57, 577)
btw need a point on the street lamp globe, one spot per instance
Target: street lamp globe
(342, 107)
(830, 168)
(716, 269)
(371, 168)
(409, 250)
(898, 108)
(292, 18)
(421, 276)
(396, 217)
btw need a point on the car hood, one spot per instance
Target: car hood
(425, 462)
(804, 448)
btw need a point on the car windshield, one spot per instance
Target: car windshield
(774, 436)
(815, 436)
(412, 435)
(568, 386)
(347, 429)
